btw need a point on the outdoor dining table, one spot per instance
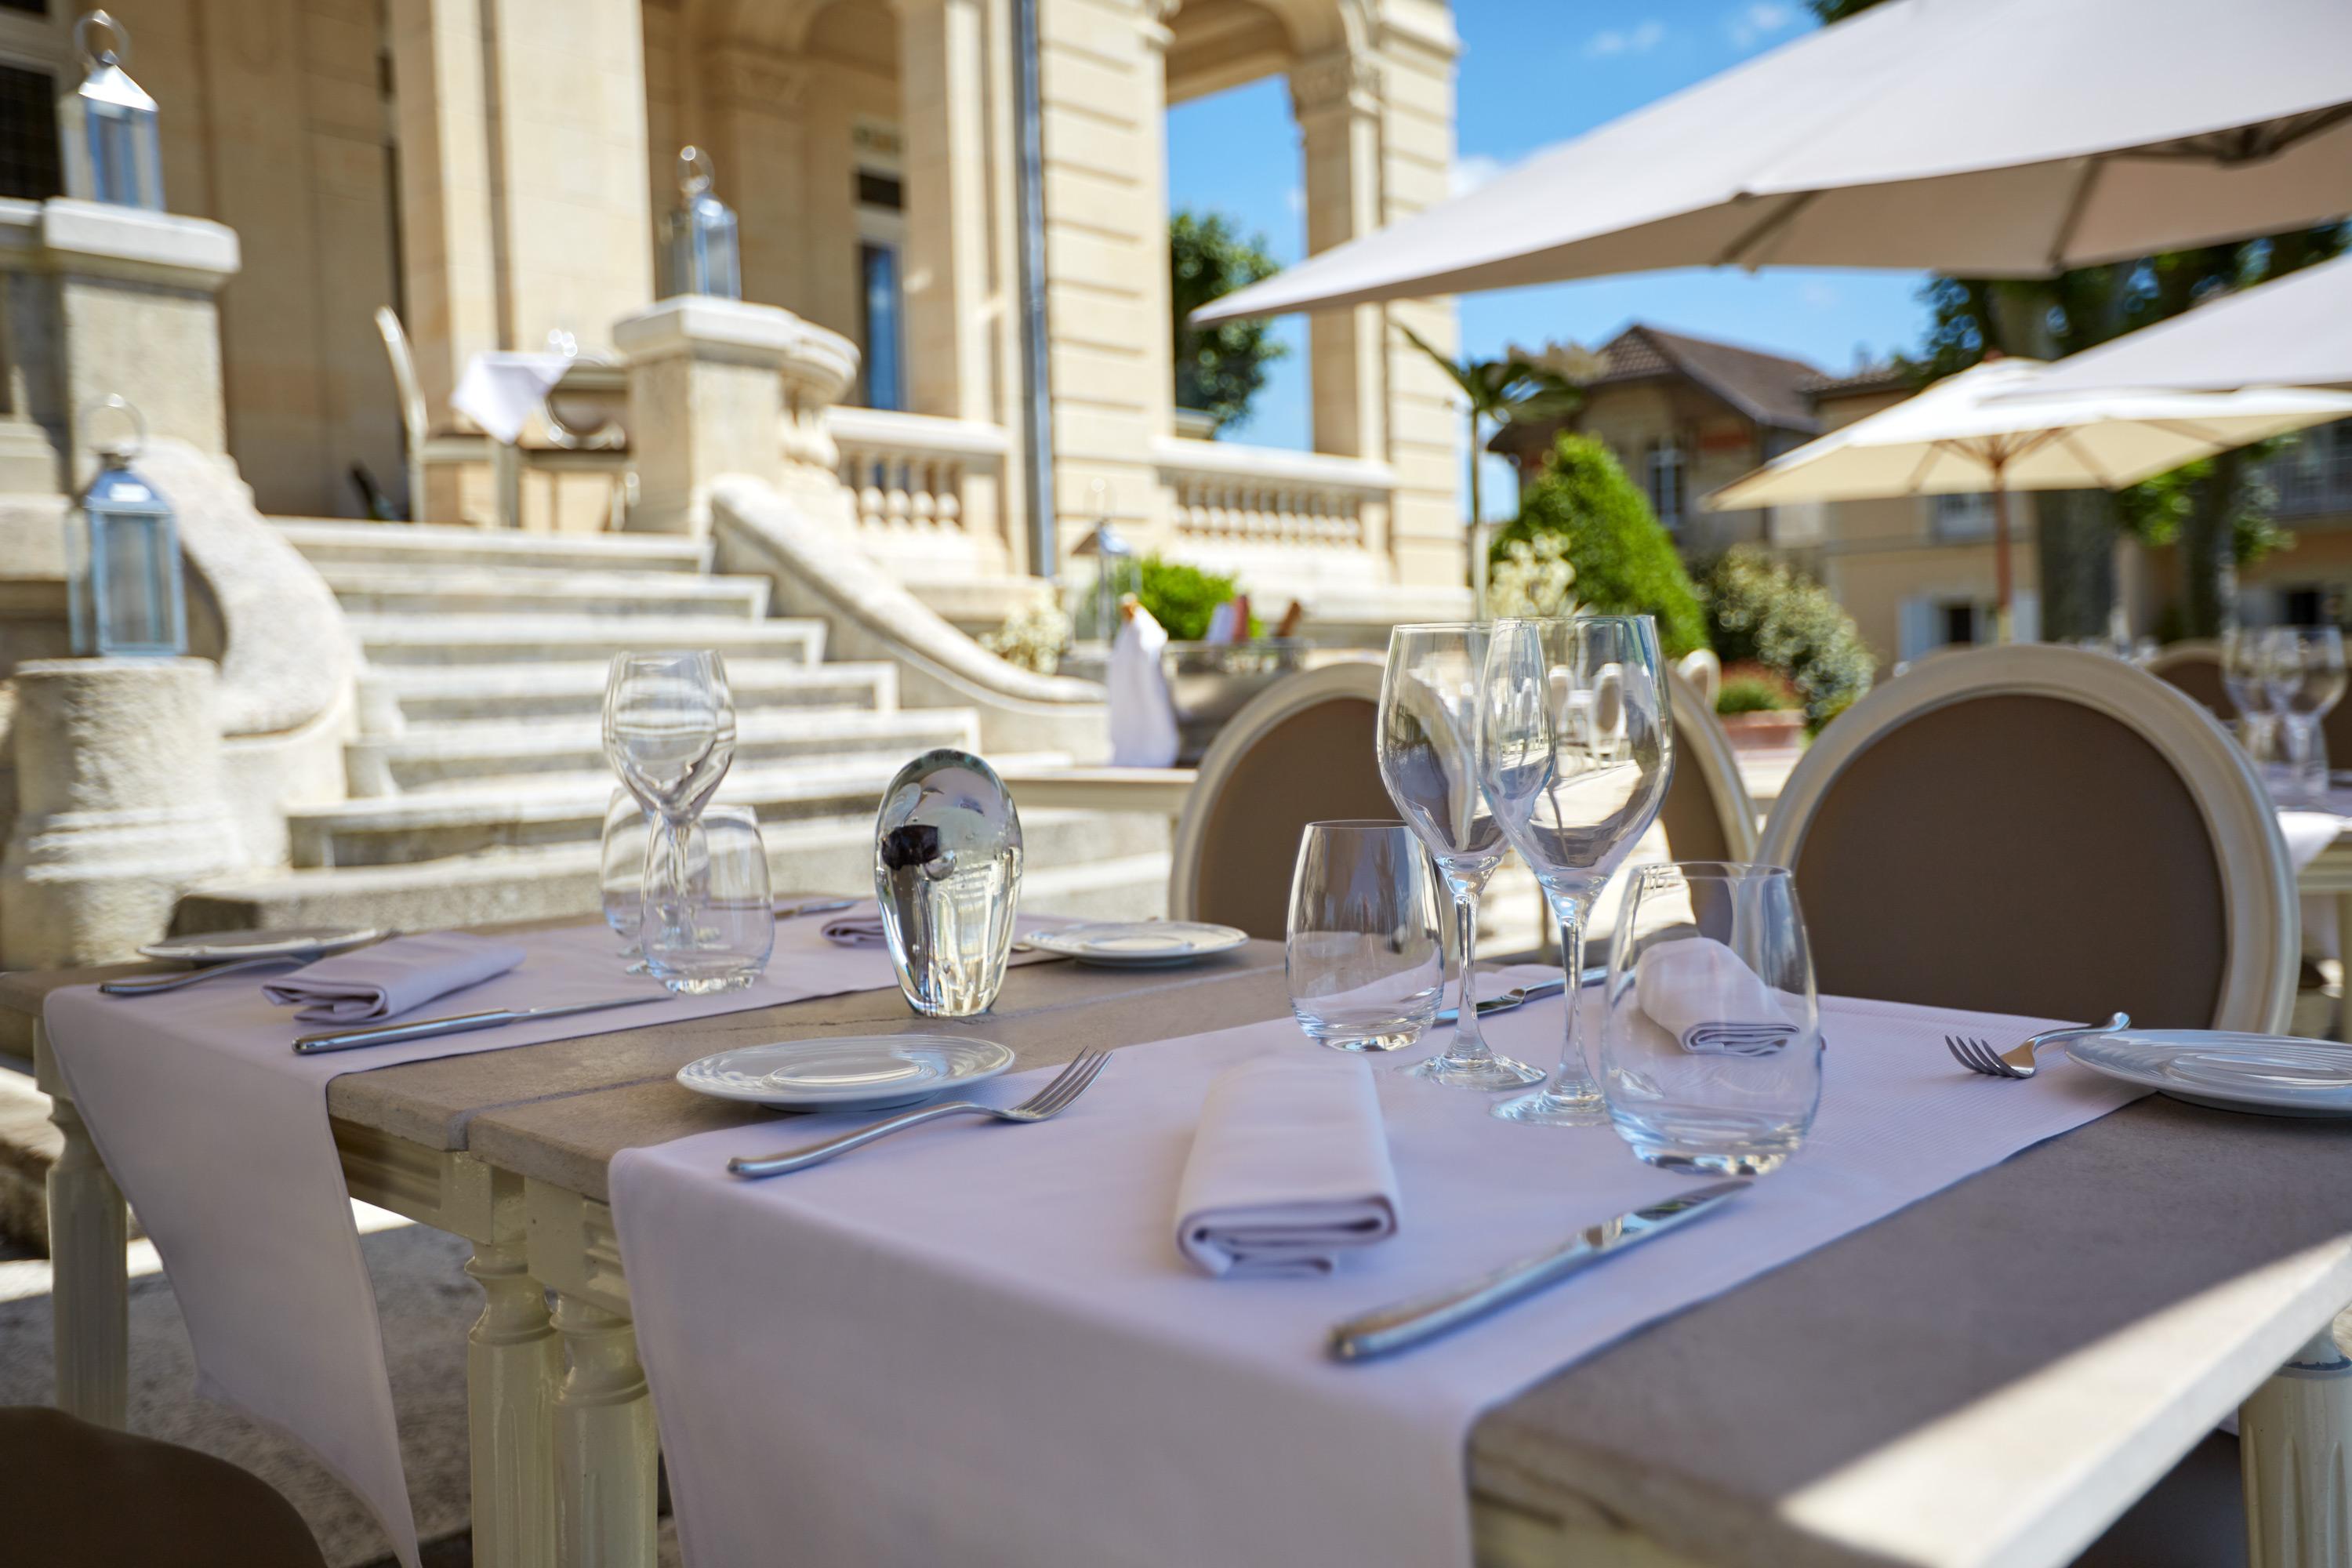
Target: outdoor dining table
(1989, 1376)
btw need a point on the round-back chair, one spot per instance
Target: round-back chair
(2195, 666)
(1707, 814)
(2043, 831)
(1303, 751)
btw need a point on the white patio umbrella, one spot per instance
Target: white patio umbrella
(1989, 428)
(2296, 332)
(1986, 138)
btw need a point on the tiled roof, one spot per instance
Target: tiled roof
(1871, 378)
(1771, 389)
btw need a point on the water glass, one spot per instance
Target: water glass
(2245, 676)
(1362, 953)
(1711, 1049)
(715, 886)
(669, 728)
(621, 871)
(2304, 669)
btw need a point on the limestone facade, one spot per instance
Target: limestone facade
(498, 169)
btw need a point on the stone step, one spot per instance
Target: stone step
(448, 693)
(373, 588)
(438, 757)
(447, 545)
(568, 808)
(1094, 861)
(486, 639)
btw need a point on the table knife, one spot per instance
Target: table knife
(427, 1028)
(1406, 1324)
(805, 907)
(1520, 995)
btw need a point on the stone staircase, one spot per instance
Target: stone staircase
(478, 789)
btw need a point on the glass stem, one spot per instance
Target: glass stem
(1469, 1046)
(1572, 1084)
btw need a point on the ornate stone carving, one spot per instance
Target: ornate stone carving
(743, 76)
(1343, 78)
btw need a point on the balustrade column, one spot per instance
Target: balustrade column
(1337, 100)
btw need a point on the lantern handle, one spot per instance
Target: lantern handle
(116, 450)
(692, 181)
(93, 59)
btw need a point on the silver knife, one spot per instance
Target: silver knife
(427, 1028)
(793, 911)
(1520, 995)
(1403, 1326)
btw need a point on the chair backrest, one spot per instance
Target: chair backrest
(1704, 671)
(2195, 666)
(1302, 751)
(2044, 831)
(1707, 814)
(413, 417)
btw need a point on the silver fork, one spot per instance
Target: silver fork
(2018, 1061)
(1048, 1102)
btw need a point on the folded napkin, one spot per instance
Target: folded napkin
(1290, 1167)
(856, 929)
(384, 981)
(1706, 996)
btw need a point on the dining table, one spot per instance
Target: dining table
(1989, 1376)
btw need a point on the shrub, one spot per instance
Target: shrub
(1752, 689)
(1624, 563)
(1181, 597)
(1763, 613)
(1531, 580)
(1034, 636)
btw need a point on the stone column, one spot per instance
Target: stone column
(1336, 99)
(723, 386)
(119, 806)
(752, 115)
(944, 83)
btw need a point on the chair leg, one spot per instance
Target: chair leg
(2295, 1437)
(607, 1473)
(513, 1360)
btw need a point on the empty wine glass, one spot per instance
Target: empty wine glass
(1361, 951)
(1575, 748)
(2245, 677)
(621, 871)
(1428, 753)
(670, 733)
(1711, 1050)
(726, 922)
(2304, 672)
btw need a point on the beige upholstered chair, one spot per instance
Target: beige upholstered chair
(73, 1494)
(2045, 831)
(2195, 666)
(1705, 673)
(425, 448)
(1708, 814)
(1302, 751)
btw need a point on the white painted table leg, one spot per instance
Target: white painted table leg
(2292, 1442)
(513, 1361)
(2344, 965)
(91, 1293)
(607, 1450)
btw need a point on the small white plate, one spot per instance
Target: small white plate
(1139, 945)
(868, 1072)
(2277, 1075)
(224, 946)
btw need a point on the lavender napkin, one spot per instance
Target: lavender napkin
(1289, 1168)
(384, 981)
(1707, 997)
(856, 929)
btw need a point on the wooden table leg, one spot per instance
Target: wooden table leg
(513, 1360)
(2294, 1444)
(91, 1293)
(2344, 965)
(607, 1450)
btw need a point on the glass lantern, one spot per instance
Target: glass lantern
(1118, 573)
(698, 250)
(107, 124)
(122, 559)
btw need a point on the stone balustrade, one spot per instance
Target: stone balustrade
(925, 493)
(1223, 494)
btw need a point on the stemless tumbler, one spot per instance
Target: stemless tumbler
(1362, 951)
(1711, 1053)
(621, 871)
(714, 877)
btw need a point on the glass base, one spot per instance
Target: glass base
(704, 985)
(1402, 1041)
(1710, 1164)
(1550, 1110)
(1490, 1073)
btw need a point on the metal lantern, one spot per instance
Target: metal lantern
(698, 250)
(122, 557)
(112, 153)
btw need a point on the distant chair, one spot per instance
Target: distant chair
(2043, 831)
(1303, 751)
(1705, 673)
(2195, 668)
(424, 448)
(1707, 814)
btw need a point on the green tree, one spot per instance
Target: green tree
(1218, 368)
(1759, 611)
(1510, 390)
(1625, 563)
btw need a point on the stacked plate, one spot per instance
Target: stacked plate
(1139, 945)
(2277, 1075)
(860, 1072)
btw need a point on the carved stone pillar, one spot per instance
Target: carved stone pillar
(943, 88)
(1337, 100)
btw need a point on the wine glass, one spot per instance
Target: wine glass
(1575, 748)
(1361, 951)
(2304, 673)
(621, 871)
(670, 733)
(1428, 753)
(2245, 677)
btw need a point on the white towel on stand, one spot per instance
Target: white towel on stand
(1142, 718)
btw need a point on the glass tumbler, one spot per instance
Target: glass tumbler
(621, 871)
(1711, 1052)
(716, 883)
(1362, 953)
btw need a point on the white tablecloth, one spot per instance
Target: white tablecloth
(217, 1134)
(503, 388)
(976, 1344)
(2308, 833)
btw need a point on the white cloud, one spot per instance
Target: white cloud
(1295, 199)
(1819, 296)
(1754, 22)
(1638, 40)
(1472, 172)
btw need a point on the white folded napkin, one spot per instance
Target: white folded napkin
(391, 978)
(1290, 1167)
(1706, 996)
(856, 929)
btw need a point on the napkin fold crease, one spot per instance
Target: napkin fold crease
(372, 983)
(1706, 996)
(1289, 1169)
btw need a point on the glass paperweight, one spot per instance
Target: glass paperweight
(947, 870)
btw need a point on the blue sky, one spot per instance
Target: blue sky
(1534, 72)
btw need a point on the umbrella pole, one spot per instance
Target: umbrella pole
(2001, 568)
